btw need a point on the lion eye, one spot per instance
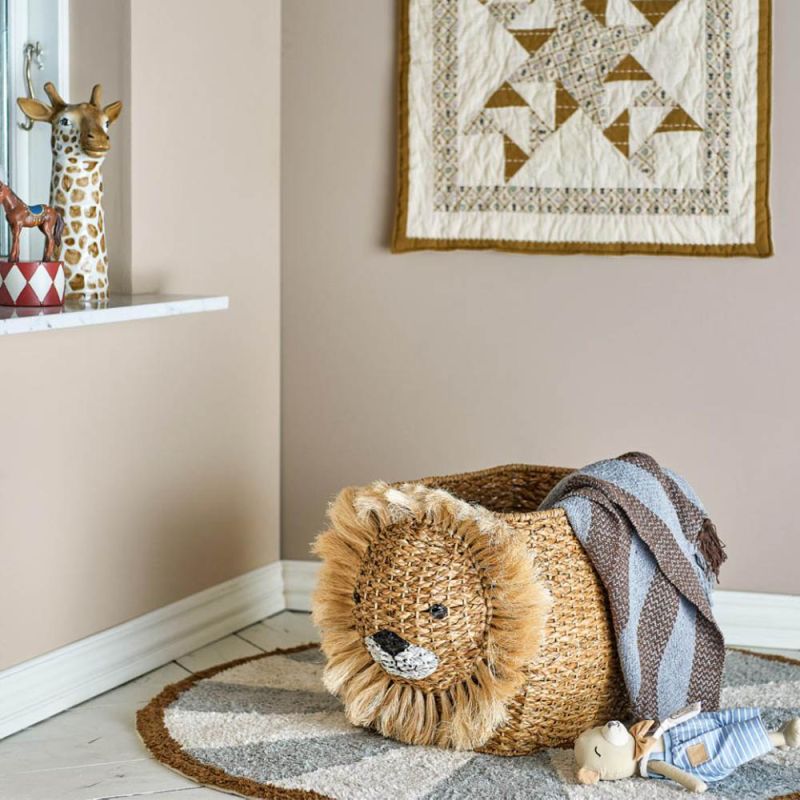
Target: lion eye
(438, 611)
(356, 597)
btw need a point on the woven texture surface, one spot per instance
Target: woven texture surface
(429, 611)
(574, 681)
(266, 728)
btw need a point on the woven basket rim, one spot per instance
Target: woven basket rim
(509, 516)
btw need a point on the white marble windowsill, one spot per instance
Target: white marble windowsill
(120, 308)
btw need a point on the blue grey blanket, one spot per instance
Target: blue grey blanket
(657, 554)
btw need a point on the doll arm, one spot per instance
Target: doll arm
(672, 772)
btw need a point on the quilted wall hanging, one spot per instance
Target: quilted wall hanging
(585, 126)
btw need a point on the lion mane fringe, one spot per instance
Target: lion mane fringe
(466, 714)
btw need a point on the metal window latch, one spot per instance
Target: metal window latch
(32, 52)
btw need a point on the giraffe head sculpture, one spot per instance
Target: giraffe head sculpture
(88, 122)
(80, 143)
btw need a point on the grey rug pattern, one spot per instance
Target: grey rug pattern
(269, 723)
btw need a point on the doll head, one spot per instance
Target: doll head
(605, 753)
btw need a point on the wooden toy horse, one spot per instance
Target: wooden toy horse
(20, 215)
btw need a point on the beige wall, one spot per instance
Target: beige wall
(140, 460)
(400, 366)
(100, 35)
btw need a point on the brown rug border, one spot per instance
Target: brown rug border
(762, 247)
(156, 738)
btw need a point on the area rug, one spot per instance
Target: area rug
(597, 126)
(265, 727)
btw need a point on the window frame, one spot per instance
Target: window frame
(29, 153)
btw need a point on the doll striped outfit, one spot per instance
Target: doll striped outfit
(711, 745)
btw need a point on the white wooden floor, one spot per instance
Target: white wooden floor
(92, 751)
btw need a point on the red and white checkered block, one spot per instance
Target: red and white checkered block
(32, 283)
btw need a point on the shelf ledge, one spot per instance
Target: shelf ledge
(120, 308)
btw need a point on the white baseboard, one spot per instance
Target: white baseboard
(747, 619)
(753, 619)
(49, 684)
(299, 580)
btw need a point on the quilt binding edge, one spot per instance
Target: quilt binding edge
(761, 248)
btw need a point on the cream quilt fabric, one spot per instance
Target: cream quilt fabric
(611, 126)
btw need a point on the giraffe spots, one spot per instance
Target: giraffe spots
(64, 138)
(58, 167)
(61, 198)
(75, 211)
(82, 242)
(103, 243)
(93, 232)
(77, 283)
(73, 257)
(100, 224)
(101, 267)
(83, 182)
(70, 242)
(68, 149)
(67, 183)
(97, 197)
(91, 284)
(72, 170)
(94, 250)
(91, 212)
(72, 160)
(67, 272)
(95, 178)
(78, 195)
(76, 226)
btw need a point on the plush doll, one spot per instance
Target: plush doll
(691, 748)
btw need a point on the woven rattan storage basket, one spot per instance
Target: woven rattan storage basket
(453, 613)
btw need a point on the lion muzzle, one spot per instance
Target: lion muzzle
(399, 657)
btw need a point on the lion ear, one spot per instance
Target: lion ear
(588, 776)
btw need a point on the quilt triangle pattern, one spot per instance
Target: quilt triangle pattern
(532, 109)
(579, 58)
(629, 69)
(532, 40)
(654, 11)
(516, 158)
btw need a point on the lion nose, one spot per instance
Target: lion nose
(390, 642)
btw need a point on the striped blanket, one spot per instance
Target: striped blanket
(658, 555)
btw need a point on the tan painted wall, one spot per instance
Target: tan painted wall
(100, 35)
(401, 366)
(140, 461)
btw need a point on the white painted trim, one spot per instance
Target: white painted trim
(49, 684)
(120, 308)
(46, 21)
(753, 619)
(19, 151)
(747, 619)
(64, 72)
(299, 580)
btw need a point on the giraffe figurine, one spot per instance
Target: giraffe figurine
(80, 143)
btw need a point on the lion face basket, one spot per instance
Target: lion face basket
(454, 614)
